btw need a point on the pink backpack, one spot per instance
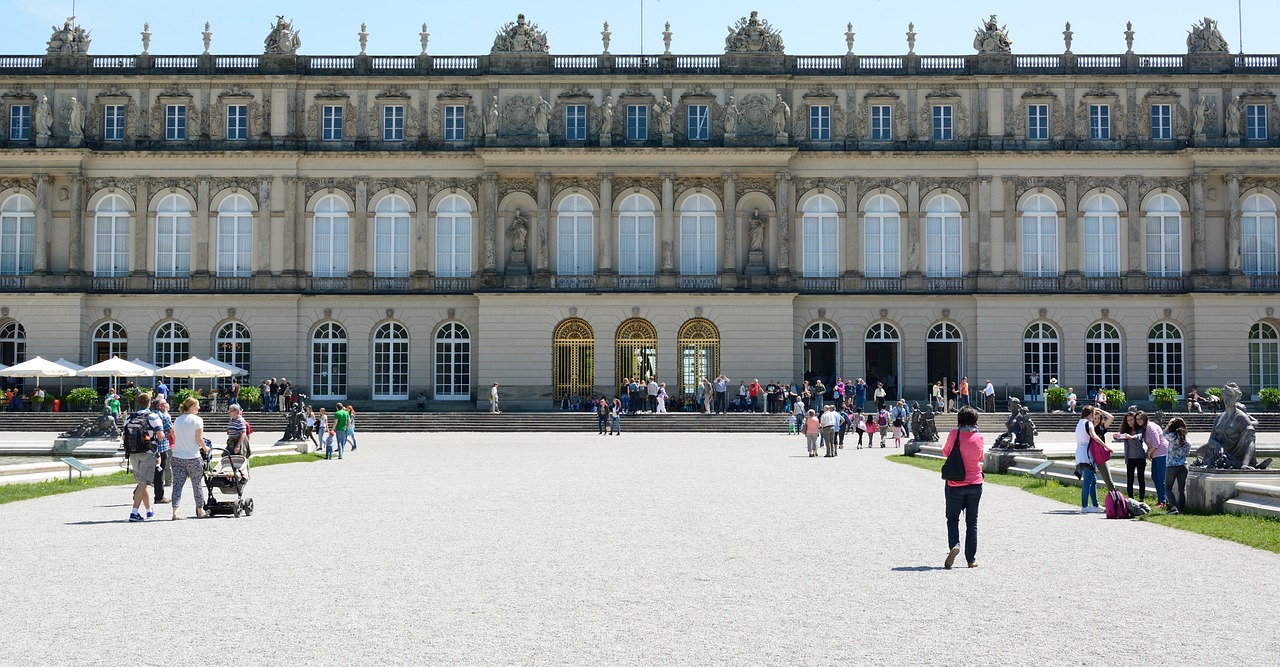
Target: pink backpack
(1117, 508)
(883, 418)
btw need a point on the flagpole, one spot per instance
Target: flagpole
(642, 27)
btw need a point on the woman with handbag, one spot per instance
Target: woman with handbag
(1092, 455)
(963, 472)
(812, 429)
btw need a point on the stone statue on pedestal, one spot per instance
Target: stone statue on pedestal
(993, 38)
(294, 428)
(283, 39)
(781, 117)
(1020, 431)
(103, 426)
(1204, 37)
(1232, 442)
(518, 232)
(923, 426)
(75, 121)
(755, 232)
(43, 119)
(731, 117)
(70, 39)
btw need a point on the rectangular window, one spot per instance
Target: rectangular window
(331, 123)
(237, 122)
(943, 129)
(1161, 121)
(881, 122)
(1255, 116)
(637, 122)
(393, 122)
(20, 122)
(1038, 122)
(820, 122)
(113, 122)
(175, 122)
(1100, 122)
(699, 122)
(1102, 245)
(455, 123)
(575, 122)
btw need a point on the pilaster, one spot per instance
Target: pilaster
(729, 250)
(76, 256)
(543, 236)
(1235, 235)
(980, 246)
(139, 258)
(851, 232)
(295, 188)
(489, 204)
(40, 262)
(783, 205)
(358, 251)
(666, 248)
(605, 248)
(1071, 229)
(914, 266)
(1134, 278)
(1199, 258)
(202, 232)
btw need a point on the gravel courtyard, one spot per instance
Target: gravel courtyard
(470, 548)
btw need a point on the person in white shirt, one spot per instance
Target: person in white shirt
(797, 413)
(828, 422)
(989, 397)
(187, 459)
(1071, 399)
(493, 399)
(652, 390)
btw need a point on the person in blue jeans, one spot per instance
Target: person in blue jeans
(1085, 466)
(1158, 452)
(615, 417)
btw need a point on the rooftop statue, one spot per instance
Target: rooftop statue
(1232, 441)
(1204, 37)
(751, 35)
(282, 39)
(520, 37)
(69, 39)
(992, 38)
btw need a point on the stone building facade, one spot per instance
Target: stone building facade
(373, 227)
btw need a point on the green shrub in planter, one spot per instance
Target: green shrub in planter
(250, 398)
(182, 395)
(1270, 398)
(83, 399)
(1215, 391)
(1164, 397)
(1115, 398)
(129, 398)
(1057, 397)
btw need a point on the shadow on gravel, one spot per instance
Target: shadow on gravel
(916, 568)
(101, 523)
(110, 506)
(1062, 512)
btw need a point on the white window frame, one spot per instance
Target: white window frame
(237, 122)
(1163, 222)
(20, 122)
(943, 122)
(1104, 357)
(1161, 122)
(1040, 237)
(17, 235)
(698, 238)
(113, 122)
(452, 362)
(1038, 122)
(173, 237)
(235, 237)
(331, 225)
(111, 231)
(393, 122)
(1166, 365)
(944, 238)
(1100, 122)
(454, 224)
(390, 363)
(637, 236)
(115, 339)
(1101, 236)
(332, 122)
(391, 225)
(171, 344)
(575, 122)
(699, 122)
(820, 122)
(637, 122)
(575, 236)
(1041, 356)
(1258, 240)
(455, 122)
(234, 346)
(881, 122)
(1264, 357)
(882, 238)
(175, 122)
(329, 362)
(820, 238)
(1255, 122)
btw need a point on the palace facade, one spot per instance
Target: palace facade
(372, 227)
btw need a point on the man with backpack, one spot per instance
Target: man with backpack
(142, 431)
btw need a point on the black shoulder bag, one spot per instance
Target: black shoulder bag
(953, 469)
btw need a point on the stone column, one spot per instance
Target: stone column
(262, 229)
(729, 265)
(666, 248)
(489, 204)
(421, 233)
(914, 245)
(1071, 229)
(40, 263)
(139, 258)
(202, 236)
(295, 193)
(1012, 241)
(1199, 258)
(1135, 279)
(1235, 235)
(852, 231)
(543, 237)
(980, 228)
(358, 249)
(605, 263)
(76, 256)
(782, 266)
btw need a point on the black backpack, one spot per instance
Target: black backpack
(137, 439)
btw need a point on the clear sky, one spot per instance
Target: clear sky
(813, 27)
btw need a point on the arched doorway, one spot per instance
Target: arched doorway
(573, 349)
(109, 340)
(882, 359)
(453, 363)
(1039, 359)
(698, 349)
(329, 362)
(942, 355)
(636, 346)
(821, 353)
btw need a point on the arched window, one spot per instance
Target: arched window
(636, 347)
(698, 236)
(944, 332)
(1164, 357)
(329, 362)
(1102, 358)
(636, 249)
(944, 354)
(453, 237)
(1164, 237)
(13, 344)
(1264, 357)
(1258, 236)
(235, 237)
(171, 345)
(942, 238)
(1040, 350)
(881, 349)
(880, 236)
(233, 346)
(173, 236)
(332, 220)
(573, 359)
(574, 242)
(111, 237)
(1039, 237)
(698, 349)
(391, 237)
(17, 236)
(819, 227)
(1101, 236)
(110, 340)
(453, 363)
(883, 332)
(821, 332)
(391, 362)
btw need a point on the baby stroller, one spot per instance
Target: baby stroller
(229, 475)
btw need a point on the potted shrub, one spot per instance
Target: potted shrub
(1057, 397)
(1270, 398)
(250, 398)
(1115, 399)
(181, 397)
(1165, 397)
(83, 399)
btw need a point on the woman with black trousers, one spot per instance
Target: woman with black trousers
(1135, 454)
(964, 495)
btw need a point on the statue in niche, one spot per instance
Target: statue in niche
(731, 117)
(664, 117)
(541, 114)
(755, 232)
(491, 119)
(992, 38)
(606, 117)
(518, 232)
(1198, 115)
(44, 118)
(282, 39)
(75, 118)
(781, 116)
(1204, 37)
(1233, 117)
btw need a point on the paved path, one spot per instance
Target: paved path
(580, 549)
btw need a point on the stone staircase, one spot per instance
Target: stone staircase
(566, 422)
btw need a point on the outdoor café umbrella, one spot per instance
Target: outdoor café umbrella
(235, 370)
(194, 367)
(40, 368)
(151, 367)
(115, 367)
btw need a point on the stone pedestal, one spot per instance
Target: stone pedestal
(519, 264)
(1209, 488)
(42, 142)
(304, 446)
(781, 139)
(490, 139)
(85, 447)
(74, 140)
(999, 460)
(544, 139)
(731, 138)
(666, 141)
(755, 264)
(606, 141)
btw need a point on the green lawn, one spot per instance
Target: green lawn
(10, 493)
(1258, 532)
